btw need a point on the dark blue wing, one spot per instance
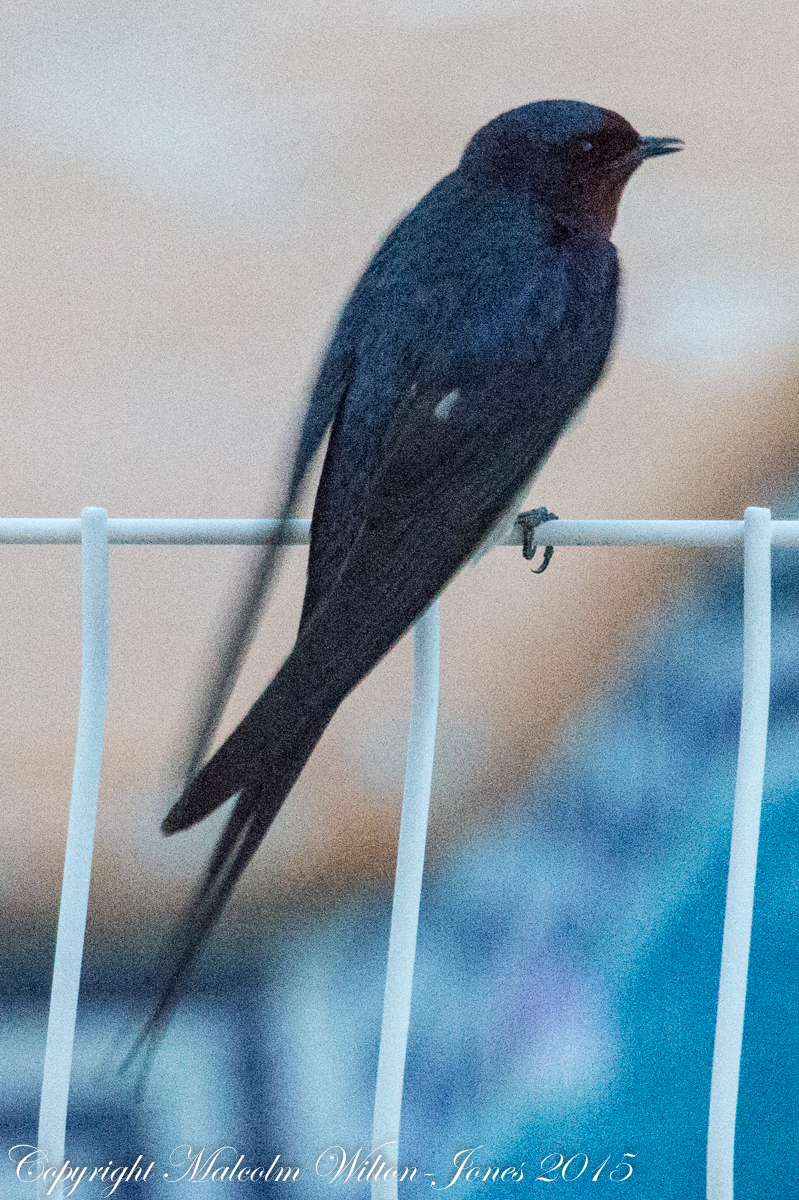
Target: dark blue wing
(469, 361)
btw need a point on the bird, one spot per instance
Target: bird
(477, 330)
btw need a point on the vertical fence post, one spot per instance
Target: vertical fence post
(407, 893)
(743, 854)
(80, 835)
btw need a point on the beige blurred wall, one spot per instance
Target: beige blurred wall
(187, 194)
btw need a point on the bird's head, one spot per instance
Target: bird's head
(572, 157)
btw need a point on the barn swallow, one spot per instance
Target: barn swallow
(477, 330)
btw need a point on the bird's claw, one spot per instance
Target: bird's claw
(529, 522)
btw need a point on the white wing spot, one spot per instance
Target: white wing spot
(444, 407)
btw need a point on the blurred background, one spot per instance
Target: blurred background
(188, 193)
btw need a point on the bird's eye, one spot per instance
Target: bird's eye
(586, 145)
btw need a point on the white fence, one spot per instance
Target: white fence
(95, 532)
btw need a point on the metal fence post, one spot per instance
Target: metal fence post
(743, 854)
(405, 910)
(80, 835)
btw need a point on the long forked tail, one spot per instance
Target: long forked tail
(260, 761)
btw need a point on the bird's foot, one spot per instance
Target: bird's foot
(529, 522)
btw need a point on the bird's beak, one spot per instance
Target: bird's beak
(653, 147)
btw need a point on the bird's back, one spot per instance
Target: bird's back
(470, 282)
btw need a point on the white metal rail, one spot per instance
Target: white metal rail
(94, 531)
